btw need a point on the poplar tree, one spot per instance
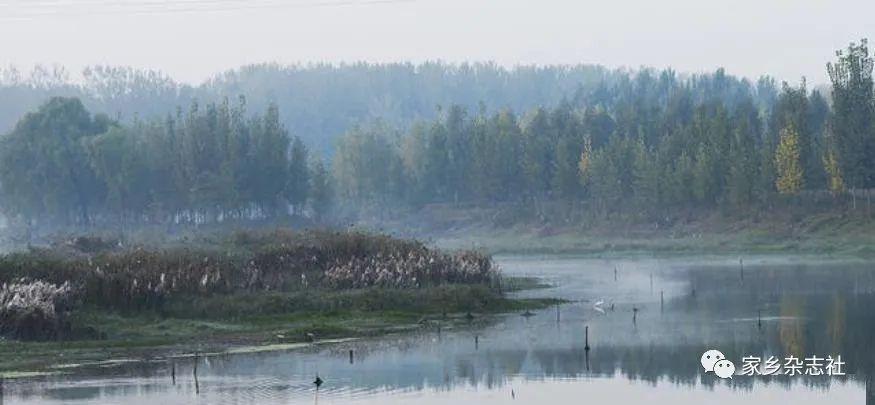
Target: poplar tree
(853, 114)
(834, 171)
(788, 163)
(322, 191)
(298, 182)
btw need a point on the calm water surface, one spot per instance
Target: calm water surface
(656, 318)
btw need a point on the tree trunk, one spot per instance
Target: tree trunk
(854, 198)
(868, 202)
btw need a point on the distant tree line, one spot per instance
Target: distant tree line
(650, 143)
(63, 166)
(317, 102)
(644, 143)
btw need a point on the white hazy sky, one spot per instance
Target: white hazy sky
(193, 39)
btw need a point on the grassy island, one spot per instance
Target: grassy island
(91, 298)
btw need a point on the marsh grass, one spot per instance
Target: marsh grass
(431, 300)
(247, 275)
(142, 278)
(216, 324)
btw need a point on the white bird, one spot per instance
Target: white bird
(598, 306)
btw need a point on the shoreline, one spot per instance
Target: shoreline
(657, 244)
(187, 330)
(246, 335)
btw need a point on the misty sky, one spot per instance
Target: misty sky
(193, 39)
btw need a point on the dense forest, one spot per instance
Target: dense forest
(61, 165)
(595, 143)
(649, 144)
(317, 102)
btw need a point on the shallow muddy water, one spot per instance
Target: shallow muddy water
(649, 321)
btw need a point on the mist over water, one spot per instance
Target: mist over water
(645, 348)
(312, 201)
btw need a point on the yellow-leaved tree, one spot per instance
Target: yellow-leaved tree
(787, 163)
(584, 166)
(834, 171)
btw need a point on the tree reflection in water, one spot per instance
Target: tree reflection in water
(781, 307)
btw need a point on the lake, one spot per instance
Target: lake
(648, 320)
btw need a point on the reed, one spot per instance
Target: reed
(35, 310)
(147, 278)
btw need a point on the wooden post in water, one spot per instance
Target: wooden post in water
(173, 371)
(741, 268)
(586, 339)
(615, 273)
(586, 347)
(476, 342)
(557, 313)
(870, 391)
(197, 387)
(317, 383)
(759, 319)
(634, 315)
(351, 360)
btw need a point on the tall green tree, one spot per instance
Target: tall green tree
(537, 159)
(269, 157)
(298, 183)
(853, 135)
(322, 191)
(117, 160)
(44, 167)
(743, 162)
(648, 184)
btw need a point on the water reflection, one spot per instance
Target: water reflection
(656, 319)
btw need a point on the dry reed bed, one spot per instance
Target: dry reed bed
(140, 278)
(35, 310)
